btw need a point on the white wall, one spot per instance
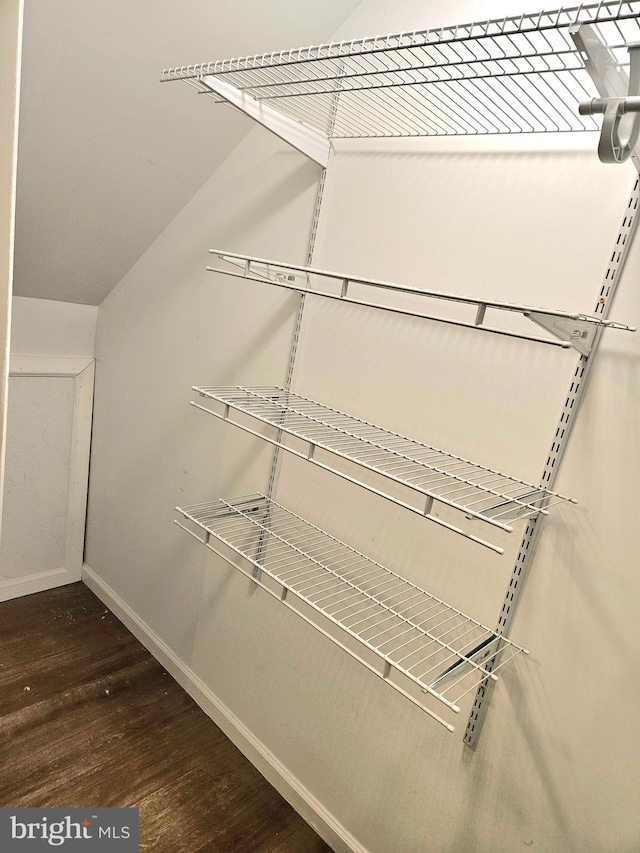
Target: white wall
(554, 769)
(496, 401)
(166, 327)
(10, 50)
(45, 327)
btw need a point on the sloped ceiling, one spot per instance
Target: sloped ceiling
(108, 155)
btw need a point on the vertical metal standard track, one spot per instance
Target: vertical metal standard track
(298, 325)
(331, 120)
(573, 400)
(275, 461)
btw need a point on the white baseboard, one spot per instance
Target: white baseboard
(17, 587)
(327, 827)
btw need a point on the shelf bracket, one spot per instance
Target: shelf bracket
(579, 333)
(484, 650)
(516, 509)
(619, 99)
(309, 141)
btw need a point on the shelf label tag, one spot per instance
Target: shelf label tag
(285, 277)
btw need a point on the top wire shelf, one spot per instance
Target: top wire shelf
(519, 74)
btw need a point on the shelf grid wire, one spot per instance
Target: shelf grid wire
(519, 74)
(434, 645)
(476, 490)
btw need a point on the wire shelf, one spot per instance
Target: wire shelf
(519, 74)
(361, 291)
(435, 475)
(412, 634)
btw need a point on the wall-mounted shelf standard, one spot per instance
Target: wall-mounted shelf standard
(436, 476)
(518, 74)
(412, 635)
(570, 329)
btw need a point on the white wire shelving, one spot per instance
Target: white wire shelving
(414, 638)
(518, 74)
(529, 73)
(435, 476)
(569, 328)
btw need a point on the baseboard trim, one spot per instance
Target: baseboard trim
(17, 587)
(313, 812)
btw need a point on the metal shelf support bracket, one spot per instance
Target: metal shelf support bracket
(578, 333)
(619, 99)
(308, 140)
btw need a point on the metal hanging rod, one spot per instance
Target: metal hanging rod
(438, 477)
(569, 328)
(415, 639)
(519, 74)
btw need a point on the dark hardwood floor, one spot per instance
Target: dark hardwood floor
(89, 718)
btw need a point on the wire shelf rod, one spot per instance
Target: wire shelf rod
(478, 69)
(392, 612)
(439, 110)
(406, 605)
(433, 112)
(347, 426)
(479, 33)
(515, 63)
(519, 74)
(427, 58)
(414, 100)
(423, 512)
(390, 470)
(413, 632)
(285, 603)
(439, 640)
(398, 310)
(298, 278)
(262, 406)
(482, 493)
(240, 505)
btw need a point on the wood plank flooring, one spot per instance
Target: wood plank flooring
(89, 718)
